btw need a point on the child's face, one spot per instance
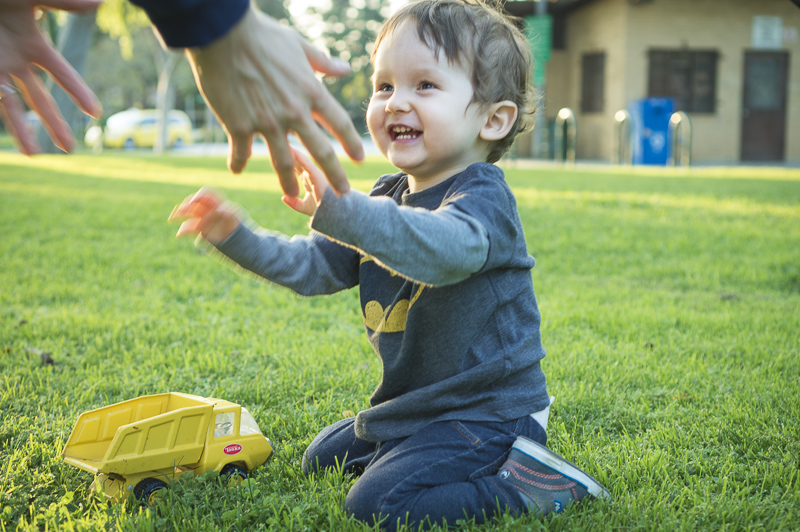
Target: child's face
(420, 115)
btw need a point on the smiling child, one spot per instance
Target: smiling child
(456, 427)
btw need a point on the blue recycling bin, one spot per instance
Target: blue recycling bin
(650, 130)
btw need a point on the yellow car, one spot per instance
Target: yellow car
(136, 128)
(139, 446)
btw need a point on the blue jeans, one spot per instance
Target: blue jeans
(445, 472)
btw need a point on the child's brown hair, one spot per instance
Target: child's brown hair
(487, 43)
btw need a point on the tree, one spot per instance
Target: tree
(165, 98)
(118, 82)
(347, 28)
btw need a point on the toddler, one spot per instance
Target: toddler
(456, 427)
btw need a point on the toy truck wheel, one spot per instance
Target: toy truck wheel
(233, 474)
(149, 490)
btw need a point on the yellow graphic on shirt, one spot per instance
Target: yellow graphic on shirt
(391, 319)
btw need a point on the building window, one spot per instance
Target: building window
(688, 77)
(593, 81)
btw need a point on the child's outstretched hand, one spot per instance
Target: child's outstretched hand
(207, 214)
(314, 182)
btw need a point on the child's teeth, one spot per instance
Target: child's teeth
(404, 133)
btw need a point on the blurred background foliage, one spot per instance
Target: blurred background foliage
(125, 57)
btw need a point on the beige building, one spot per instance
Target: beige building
(733, 66)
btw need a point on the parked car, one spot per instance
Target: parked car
(136, 128)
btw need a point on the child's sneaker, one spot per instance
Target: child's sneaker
(546, 481)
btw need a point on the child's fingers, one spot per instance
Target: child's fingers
(298, 168)
(189, 227)
(316, 179)
(209, 197)
(306, 164)
(293, 202)
(207, 214)
(300, 171)
(199, 224)
(197, 205)
(183, 210)
(306, 205)
(303, 160)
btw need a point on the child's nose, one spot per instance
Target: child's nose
(398, 102)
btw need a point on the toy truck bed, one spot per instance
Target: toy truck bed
(147, 433)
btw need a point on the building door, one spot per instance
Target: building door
(764, 106)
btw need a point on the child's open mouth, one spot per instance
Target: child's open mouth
(404, 133)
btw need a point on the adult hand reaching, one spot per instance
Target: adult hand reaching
(259, 79)
(22, 45)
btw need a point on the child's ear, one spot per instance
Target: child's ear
(499, 120)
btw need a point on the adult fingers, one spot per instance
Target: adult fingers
(321, 62)
(337, 121)
(13, 117)
(327, 110)
(69, 80)
(339, 124)
(320, 149)
(40, 100)
(239, 151)
(282, 161)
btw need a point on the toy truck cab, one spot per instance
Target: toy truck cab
(230, 442)
(142, 444)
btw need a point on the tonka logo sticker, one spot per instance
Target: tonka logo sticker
(233, 448)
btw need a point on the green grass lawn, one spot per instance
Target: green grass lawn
(671, 317)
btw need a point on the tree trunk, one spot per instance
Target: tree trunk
(165, 97)
(73, 43)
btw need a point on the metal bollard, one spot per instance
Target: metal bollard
(565, 119)
(621, 152)
(680, 132)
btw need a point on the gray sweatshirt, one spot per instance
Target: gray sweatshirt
(446, 295)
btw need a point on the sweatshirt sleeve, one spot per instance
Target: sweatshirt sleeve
(193, 23)
(308, 265)
(438, 247)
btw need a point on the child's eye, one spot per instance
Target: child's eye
(427, 85)
(384, 87)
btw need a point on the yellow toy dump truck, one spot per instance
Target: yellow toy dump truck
(142, 444)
